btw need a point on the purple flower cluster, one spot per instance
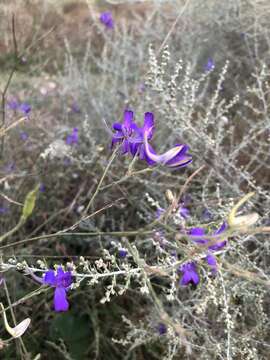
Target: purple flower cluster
(134, 140)
(189, 269)
(23, 107)
(73, 138)
(107, 19)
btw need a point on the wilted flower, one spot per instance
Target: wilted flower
(107, 19)
(19, 329)
(73, 138)
(174, 158)
(190, 274)
(61, 281)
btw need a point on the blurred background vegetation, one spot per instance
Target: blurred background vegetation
(76, 73)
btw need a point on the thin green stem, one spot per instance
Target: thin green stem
(101, 180)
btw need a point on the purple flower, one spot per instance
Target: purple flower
(210, 258)
(42, 188)
(198, 232)
(122, 253)
(219, 245)
(135, 140)
(25, 108)
(23, 135)
(107, 19)
(73, 138)
(141, 88)
(9, 167)
(137, 146)
(184, 212)
(75, 108)
(210, 65)
(159, 212)
(61, 281)
(212, 262)
(190, 274)
(175, 157)
(207, 215)
(162, 329)
(3, 210)
(13, 104)
(16, 105)
(130, 135)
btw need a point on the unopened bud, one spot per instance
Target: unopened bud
(169, 196)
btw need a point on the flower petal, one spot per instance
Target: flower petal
(60, 299)
(149, 123)
(50, 278)
(211, 260)
(186, 278)
(128, 118)
(197, 231)
(195, 277)
(222, 228)
(117, 126)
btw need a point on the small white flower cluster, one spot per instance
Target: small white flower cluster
(57, 149)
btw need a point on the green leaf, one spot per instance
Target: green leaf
(29, 203)
(74, 330)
